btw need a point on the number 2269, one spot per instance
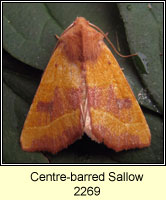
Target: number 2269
(86, 191)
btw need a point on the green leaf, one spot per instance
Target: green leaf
(144, 28)
(29, 30)
(13, 118)
(141, 63)
(28, 20)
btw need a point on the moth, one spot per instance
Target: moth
(83, 90)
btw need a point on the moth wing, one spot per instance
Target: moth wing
(54, 119)
(114, 115)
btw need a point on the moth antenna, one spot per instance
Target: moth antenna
(105, 36)
(69, 27)
(57, 37)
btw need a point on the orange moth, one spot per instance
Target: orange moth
(82, 90)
